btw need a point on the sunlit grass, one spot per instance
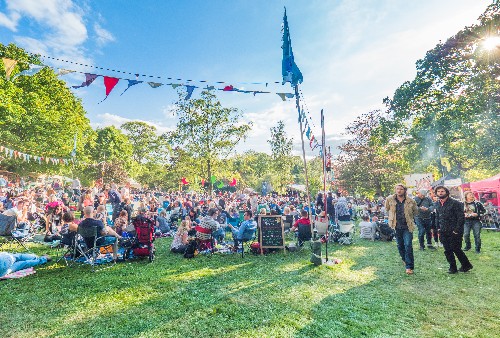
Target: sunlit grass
(279, 295)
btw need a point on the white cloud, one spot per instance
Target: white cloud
(9, 22)
(107, 119)
(103, 36)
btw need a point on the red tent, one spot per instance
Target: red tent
(488, 189)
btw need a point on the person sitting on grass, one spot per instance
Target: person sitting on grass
(303, 227)
(367, 229)
(107, 235)
(121, 222)
(179, 244)
(245, 231)
(12, 262)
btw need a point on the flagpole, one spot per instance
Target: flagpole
(308, 199)
(323, 153)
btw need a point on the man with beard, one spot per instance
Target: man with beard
(450, 220)
(402, 211)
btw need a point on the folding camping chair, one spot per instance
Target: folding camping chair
(8, 235)
(346, 232)
(85, 245)
(321, 226)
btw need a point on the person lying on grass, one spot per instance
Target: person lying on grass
(12, 262)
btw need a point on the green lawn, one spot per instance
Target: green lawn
(280, 295)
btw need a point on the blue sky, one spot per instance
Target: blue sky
(352, 53)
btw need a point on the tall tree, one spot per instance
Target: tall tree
(147, 145)
(281, 150)
(207, 131)
(38, 114)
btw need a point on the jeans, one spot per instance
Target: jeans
(424, 228)
(404, 238)
(219, 234)
(22, 261)
(475, 225)
(453, 247)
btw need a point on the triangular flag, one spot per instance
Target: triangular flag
(228, 88)
(184, 181)
(202, 182)
(130, 84)
(9, 65)
(311, 142)
(220, 185)
(213, 179)
(233, 183)
(89, 78)
(109, 83)
(29, 72)
(209, 88)
(189, 90)
(175, 85)
(289, 69)
(282, 95)
(64, 71)
(155, 84)
(308, 133)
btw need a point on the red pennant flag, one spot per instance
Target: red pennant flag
(202, 182)
(228, 88)
(110, 83)
(183, 180)
(233, 183)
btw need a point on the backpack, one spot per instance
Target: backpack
(7, 224)
(192, 249)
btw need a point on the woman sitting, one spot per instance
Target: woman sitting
(53, 224)
(121, 222)
(162, 223)
(180, 241)
(68, 228)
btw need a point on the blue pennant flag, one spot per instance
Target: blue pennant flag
(291, 73)
(308, 133)
(189, 90)
(130, 84)
(29, 72)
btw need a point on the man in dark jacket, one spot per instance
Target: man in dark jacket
(423, 218)
(450, 220)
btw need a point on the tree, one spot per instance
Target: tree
(451, 108)
(39, 115)
(111, 152)
(207, 131)
(281, 150)
(364, 166)
(147, 145)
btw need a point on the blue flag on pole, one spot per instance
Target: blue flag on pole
(291, 73)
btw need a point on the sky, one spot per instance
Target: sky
(352, 54)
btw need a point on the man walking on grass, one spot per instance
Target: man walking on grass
(423, 219)
(402, 211)
(450, 219)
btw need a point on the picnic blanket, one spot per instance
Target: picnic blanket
(19, 274)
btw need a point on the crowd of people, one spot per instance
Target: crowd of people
(199, 221)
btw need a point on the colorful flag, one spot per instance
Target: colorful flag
(189, 90)
(130, 84)
(213, 179)
(89, 78)
(29, 72)
(289, 69)
(9, 65)
(109, 83)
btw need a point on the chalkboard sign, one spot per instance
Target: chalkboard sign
(271, 232)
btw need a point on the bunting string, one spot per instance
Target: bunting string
(16, 154)
(110, 82)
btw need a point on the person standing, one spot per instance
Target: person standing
(450, 220)
(402, 211)
(423, 219)
(473, 211)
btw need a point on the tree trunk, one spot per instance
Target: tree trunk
(209, 171)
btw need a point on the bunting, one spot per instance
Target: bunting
(289, 69)
(9, 65)
(16, 154)
(89, 78)
(109, 84)
(130, 84)
(29, 72)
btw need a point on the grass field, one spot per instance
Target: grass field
(279, 295)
